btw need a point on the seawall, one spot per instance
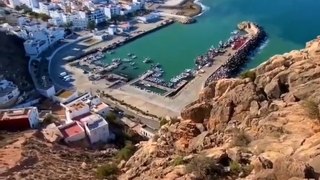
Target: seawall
(234, 63)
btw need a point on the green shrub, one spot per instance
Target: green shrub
(178, 161)
(248, 74)
(163, 121)
(312, 108)
(241, 138)
(205, 168)
(126, 152)
(107, 170)
(112, 117)
(235, 167)
(49, 119)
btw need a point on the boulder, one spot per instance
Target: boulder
(273, 90)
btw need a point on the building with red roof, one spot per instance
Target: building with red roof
(19, 119)
(72, 132)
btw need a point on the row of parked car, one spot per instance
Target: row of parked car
(65, 76)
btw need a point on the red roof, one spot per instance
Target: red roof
(71, 129)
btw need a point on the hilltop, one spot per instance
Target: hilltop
(262, 125)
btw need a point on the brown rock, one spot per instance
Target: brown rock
(197, 112)
(273, 90)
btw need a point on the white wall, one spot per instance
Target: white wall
(100, 134)
(76, 137)
(34, 118)
(85, 109)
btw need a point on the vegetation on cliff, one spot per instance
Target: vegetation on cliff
(13, 62)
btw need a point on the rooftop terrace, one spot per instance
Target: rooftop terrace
(64, 93)
(10, 114)
(71, 129)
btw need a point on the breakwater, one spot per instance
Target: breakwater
(234, 63)
(120, 43)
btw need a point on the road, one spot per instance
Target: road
(152, 123)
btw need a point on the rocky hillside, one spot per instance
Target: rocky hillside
(264, 125)
(13, 62)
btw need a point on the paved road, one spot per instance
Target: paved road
(57, 62)
(152, 123)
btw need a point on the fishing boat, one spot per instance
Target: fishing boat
(126, 60)
(132, 63)
(124, 67)
(130, 54)
(133, 57)
(234, 32)
(135, 67)
(147, 60)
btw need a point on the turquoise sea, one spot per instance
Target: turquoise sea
(288, 23)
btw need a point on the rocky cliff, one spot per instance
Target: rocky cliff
(13, 62)
(264, 125)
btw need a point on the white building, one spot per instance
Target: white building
(102, 109)
(72, 132)
(9, 93)
(152, 17)
(112, 29)
(39, 38)
(96, 128)
(97, 15)
(44, 8)
(112, 10)
(30, 3)
(76, 109)
(19, 119)
(130, 8)
(147, 131)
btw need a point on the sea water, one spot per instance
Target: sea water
(288, 23)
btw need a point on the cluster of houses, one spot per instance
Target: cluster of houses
(38, 37)
(9, 93)
(78, 13)
(85, 118)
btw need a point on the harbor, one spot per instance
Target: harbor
(176, 47)
(236, 48)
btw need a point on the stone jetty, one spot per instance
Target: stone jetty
(232, 66)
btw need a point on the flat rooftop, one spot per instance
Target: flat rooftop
(64, 93)
(93, 121)
(11, 114)
(71, 129)
(100, 107)
(96, 124)
(78, 106)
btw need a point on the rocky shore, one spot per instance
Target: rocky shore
(235, 62)
(264, 125)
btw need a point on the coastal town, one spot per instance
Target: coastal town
(45, 43)
(84, 95)
(84, 103)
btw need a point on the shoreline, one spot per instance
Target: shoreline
(103, 48)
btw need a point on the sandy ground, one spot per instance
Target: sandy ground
(172, 3)
(10, 155)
